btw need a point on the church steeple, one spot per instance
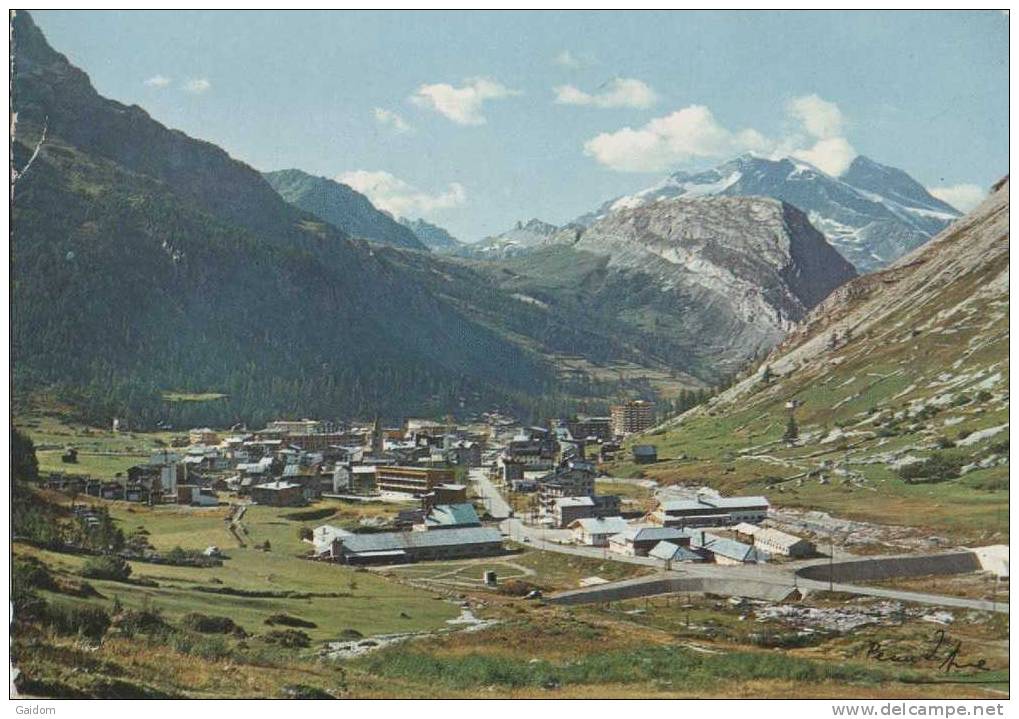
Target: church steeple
(378, 445)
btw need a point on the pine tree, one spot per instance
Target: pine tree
(792, 430)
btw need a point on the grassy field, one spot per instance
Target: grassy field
(102, 453)
(549, 571)
(365, 602)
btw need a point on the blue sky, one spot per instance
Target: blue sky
(476, 120)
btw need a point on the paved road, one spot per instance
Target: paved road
(780, 575)
(494, 501)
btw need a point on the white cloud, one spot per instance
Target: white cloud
(962, 197)
(392, 119)
(820, 118)
(399, 198)
(463, 104)
(574, 61)
(157, 81)
(197, 86)
(833, 155)
(693, 133)
(665, 142)
(620, 92)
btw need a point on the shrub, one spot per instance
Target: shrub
(303, 691)
(984, 396)
(206, 624)
(939, 467)
(214, 647)
(289, 621)
(146, 620)
(290, 638)
(309, 515)
(960, 400)
(516, 588)
(91, 622)
(944, 442)
(29, 572)
(108, 567)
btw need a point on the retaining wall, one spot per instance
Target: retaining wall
(877, 568)
(632, 589)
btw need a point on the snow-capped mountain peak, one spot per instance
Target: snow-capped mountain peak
(872, 214)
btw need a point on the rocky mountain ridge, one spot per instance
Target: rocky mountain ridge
(872, 214)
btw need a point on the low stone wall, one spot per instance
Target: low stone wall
(632, 589)
(877, 568)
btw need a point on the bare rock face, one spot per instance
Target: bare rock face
(739, 272)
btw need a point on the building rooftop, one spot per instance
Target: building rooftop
(705, 502)
(574, 502)
(601, 525)
(390, 541)
(768, 535)
(452, 515)
(729, 548)
(674, 553)
(646, 534)
(277, 486)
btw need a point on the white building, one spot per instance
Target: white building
(774, 541)
(595, 531)
(322, 537)
(707, 511)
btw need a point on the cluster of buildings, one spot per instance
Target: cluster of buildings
(292, 462)
(678, 531)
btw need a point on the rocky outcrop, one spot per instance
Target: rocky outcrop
(740, 272)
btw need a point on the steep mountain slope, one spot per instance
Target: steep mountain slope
(432, 236)
(719, 280)
(872, 214)
(342, 207)
(524, 237)
(899, 386)
(144, 261)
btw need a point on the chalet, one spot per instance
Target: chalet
(278, 494)
(705, 511)
(645, 453)
(204, 436)
(112, 490)
(774, 541)
(638, 541)
(194, 495)
(608, 451)
(595, 531)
